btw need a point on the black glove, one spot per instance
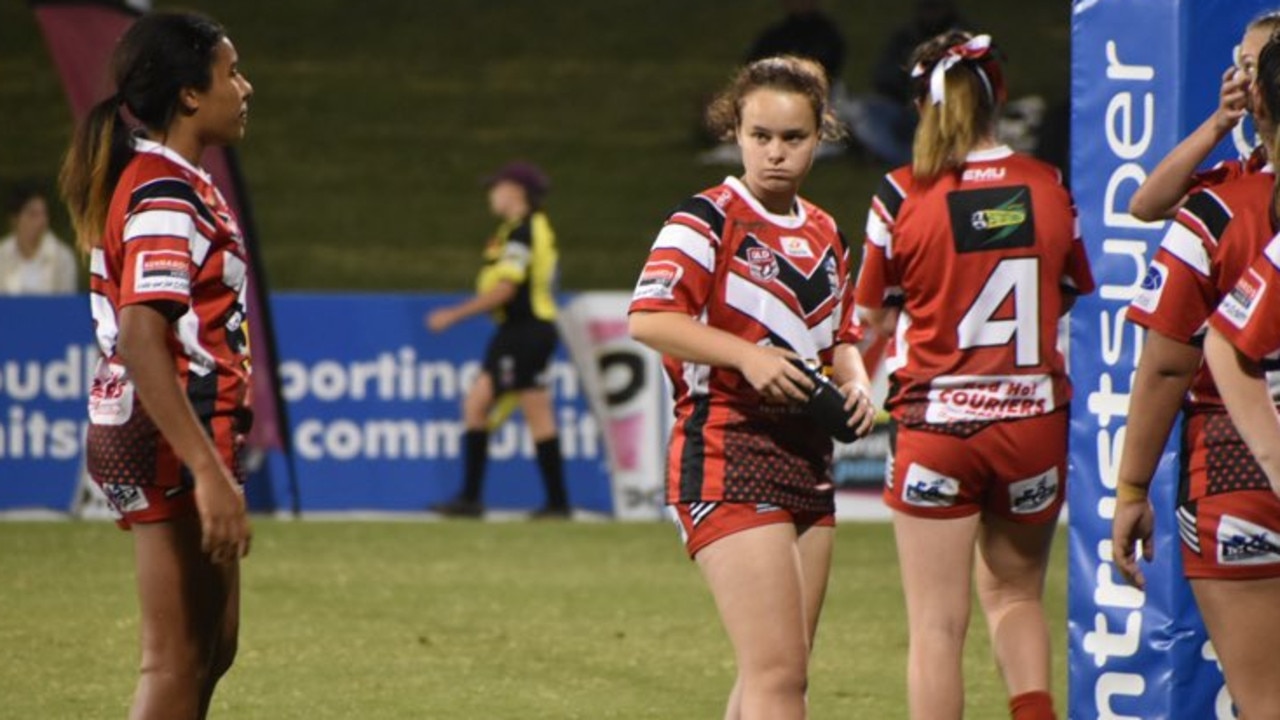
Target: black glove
(826, 404)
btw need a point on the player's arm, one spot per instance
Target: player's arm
(143, 347)
(1242, 383)
(495, 297)
(1165, 372)
(680, 336)
(850, 375)
(1160, 196)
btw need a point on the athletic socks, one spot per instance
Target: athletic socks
(475, 448)
(552, 466)
(1032, 706)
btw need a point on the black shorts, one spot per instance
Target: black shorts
(518, 355)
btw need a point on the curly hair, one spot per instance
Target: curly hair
(783, 72)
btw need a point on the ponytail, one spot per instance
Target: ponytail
(958, 86)
(100, 149)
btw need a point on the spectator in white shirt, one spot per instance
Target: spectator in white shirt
(33, 261)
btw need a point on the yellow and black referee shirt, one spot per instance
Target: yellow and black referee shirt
(523, 253)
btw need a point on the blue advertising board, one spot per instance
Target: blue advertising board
(1144, 74)
(373, 398)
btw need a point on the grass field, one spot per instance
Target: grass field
(373, 121)
(457, 620)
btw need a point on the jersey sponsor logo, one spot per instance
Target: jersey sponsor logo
(762, 263)
(165, 271)
(1241, 542)
(923, 487)
(125, 498)
(658, 280)
(1030, 496)
(984, 174)
(796, 247)
(1238, 306)
(991, 219)
(1148, 298)
(970, 398)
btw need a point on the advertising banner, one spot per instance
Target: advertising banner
(1144, 75)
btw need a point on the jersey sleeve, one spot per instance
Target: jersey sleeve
(517, 254)
(849, 330)
(162, 238)
(1249, 315)
(1077, 276)
(680, 270)
(1223, 172)
(879, 283)
(1178, 293)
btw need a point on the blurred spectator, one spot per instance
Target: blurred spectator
(33, 261)
(883, 120)
(806, 32)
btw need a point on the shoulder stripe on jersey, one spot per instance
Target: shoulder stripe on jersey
(1187, 246)
(171, 188)
(1272, 251)
(704, 212)
(690, 243)
(890, 196)
(1208, 211)
(878, 232)
(693, 456)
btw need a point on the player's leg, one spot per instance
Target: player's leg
(815, 543)
(1245, 628)
(539, 412)
(936, 558)
(1010, 574)
(755, 577)
(476, 405)
(223, 622)
(175, 628)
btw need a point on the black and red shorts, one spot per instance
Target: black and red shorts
(702, 523)
(1013, 468)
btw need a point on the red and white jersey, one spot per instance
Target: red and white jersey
(772, 280)
(1229, 170)
(171, 242)
(1216, 234)
(1249, 315)
(981, 263)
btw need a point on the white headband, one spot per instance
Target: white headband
(976, 47)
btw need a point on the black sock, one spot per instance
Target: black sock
(475, 448)
(552, 466)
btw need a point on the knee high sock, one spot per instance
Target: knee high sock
(475, 446)
(552, 466)
(1032, 706)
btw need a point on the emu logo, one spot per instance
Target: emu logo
(977, 175)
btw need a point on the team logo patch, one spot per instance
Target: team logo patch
(111, 397)
(991, 219)
(1030, 496)
(125, 498)
(796, 247)
(658, 280)
(923, 487)
(977, 175)
(1241, 542)
(165, 271)
(1148, 298)
(763, 263)
(1238, 306)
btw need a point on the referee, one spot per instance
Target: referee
(515, 285)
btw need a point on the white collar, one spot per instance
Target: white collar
(143, 145)
(790, 222)
(999, 152)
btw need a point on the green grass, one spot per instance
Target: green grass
(458, 620)
(373, 121)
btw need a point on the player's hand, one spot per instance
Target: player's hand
(225, 534)
(1134, 522)
(1233, 100)
(441, 320)
(862, 411)
(770, 372)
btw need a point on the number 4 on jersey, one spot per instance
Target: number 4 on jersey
(1019, 277)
